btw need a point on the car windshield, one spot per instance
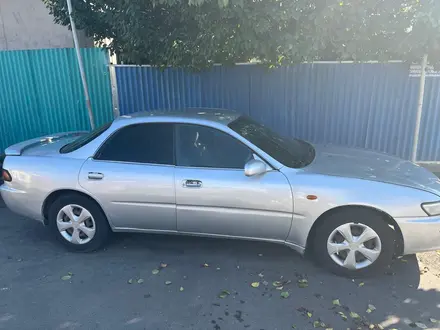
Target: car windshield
(293, 153)
(84, 139)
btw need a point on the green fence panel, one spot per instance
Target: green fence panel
(41, 92)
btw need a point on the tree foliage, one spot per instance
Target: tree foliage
(198, 33)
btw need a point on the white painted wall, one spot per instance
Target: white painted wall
(27, 24)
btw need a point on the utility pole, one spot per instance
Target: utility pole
(81, 65)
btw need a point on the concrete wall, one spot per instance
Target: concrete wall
(27, 24)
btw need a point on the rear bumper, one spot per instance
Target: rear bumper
(420, 234)
(18, 202)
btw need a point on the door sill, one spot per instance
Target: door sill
(295, 247)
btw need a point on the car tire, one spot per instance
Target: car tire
(354, 259)
(89, 229)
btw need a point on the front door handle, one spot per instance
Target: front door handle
(192, 183)
(95, 176)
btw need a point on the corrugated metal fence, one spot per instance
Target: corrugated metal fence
(361, 105)
(41, 92)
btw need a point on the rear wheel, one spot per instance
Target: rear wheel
(78, 223)
(354, 243)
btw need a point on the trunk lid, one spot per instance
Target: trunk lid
(42, 146)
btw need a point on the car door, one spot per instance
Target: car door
(132, 177)
(213, 195)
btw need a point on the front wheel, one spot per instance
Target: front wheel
(354, 243)
(78, 223)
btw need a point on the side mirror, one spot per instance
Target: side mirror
(254, 167)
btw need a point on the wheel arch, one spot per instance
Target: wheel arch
(53, 196)
(399, 243)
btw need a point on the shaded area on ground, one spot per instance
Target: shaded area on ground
(98, 295)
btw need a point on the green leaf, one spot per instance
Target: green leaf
(69, 273)
(255, 284)
(344, 317)
(371, 308)
(284, 294)
(181, 289)
(277, 283)
(318, 324)
(361, 284)
(336, 302)
(155, 271)
(309, 315)
(303, 283)
(66, 277)
(354, 315)
(223, 294)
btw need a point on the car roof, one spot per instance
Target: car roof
(221, 116)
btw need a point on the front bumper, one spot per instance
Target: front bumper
(18, 202)
(420, 234)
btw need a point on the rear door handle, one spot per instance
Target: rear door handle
(192, 183)
(96, 176)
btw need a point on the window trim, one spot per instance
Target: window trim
(112, 135)
(177, 139)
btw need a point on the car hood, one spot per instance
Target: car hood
(373, 166)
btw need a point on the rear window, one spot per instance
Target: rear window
(83, 140)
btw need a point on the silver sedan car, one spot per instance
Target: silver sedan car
(217, 173)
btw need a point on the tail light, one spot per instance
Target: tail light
(6, 176)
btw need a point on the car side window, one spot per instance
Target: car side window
(201, 146)
(150, 143)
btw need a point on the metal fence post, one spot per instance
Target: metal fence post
(419, 108)
(114, 85)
